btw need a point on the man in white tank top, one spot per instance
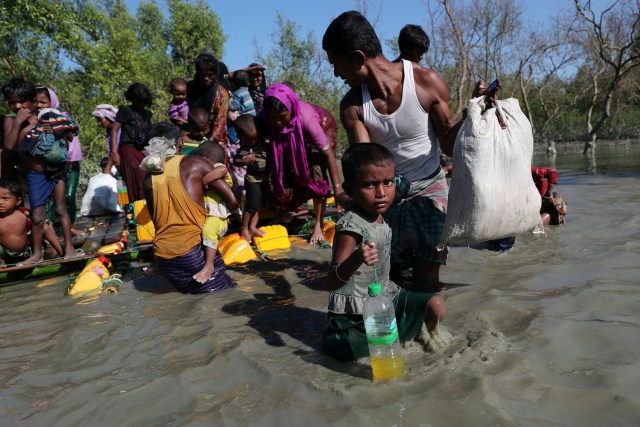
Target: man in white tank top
(405, 107)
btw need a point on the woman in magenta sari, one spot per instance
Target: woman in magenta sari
(294, 128)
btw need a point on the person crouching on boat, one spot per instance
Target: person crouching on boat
(175, 200)
(15, 226)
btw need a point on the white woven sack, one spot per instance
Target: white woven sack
(492, 194)
(101, 196)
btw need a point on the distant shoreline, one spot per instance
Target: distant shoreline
(565, 146)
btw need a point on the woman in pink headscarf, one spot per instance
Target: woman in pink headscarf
(294, 128)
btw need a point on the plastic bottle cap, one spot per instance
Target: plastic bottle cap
(375, 289)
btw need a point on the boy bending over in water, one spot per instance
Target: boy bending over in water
(361, 256)
(15, 225)
(218, 192)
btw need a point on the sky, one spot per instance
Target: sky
(257, 20)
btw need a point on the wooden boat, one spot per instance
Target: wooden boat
(100, 231)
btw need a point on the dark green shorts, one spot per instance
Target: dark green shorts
(346, 339)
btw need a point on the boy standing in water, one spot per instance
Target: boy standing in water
(361, 256)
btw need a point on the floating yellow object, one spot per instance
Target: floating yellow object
(329, 231)
(226, 241)
(275, 237)
(145, 230)
(235, 250)
(94, 278)
(113, 248)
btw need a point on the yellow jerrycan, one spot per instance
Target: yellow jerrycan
(89, 281)
(275, 237)
(145, 231)
(235, 250)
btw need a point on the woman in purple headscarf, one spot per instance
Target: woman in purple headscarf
(294, 128)
(105, 115)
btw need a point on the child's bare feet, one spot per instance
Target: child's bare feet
(244, 233)
(316, 236)
(71, 253)
(32, 259)
(204, 274)
(257, 232)
(435, 339)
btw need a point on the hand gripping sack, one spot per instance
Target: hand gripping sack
(492, 194)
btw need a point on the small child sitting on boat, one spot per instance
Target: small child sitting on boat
(15, 226)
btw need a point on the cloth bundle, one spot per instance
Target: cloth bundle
(492, 194)
(49, 139)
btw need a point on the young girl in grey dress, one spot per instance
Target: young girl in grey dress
(361, 256)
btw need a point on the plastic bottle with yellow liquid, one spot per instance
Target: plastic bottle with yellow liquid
(123, 193)
(385, 351)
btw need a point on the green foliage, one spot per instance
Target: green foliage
(90, 51)
(193, 28)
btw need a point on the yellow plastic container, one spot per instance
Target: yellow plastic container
(226, 241)
(145, 230)
(113, 248)
(235, 250)
(276, 237)
(89, 281)
(329, 231)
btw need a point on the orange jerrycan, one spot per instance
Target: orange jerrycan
(235, 250)
(145, 230)
(275, 237)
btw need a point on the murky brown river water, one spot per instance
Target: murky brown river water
(546, 334)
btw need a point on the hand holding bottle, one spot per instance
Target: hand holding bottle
(369, 252)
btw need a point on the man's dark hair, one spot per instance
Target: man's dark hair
(413, 36)
(139, 92)
(211, 150)
(350, 32)
(164, 129)
(13, 185)
(244, 123)
(241, 78)
(359, 155)
(24, 89)
(197, 117)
